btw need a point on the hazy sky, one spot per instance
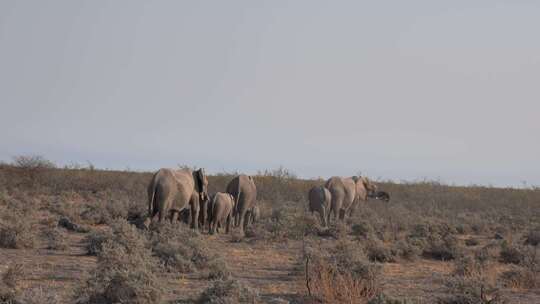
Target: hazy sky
(445, 90)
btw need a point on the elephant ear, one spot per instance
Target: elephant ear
(200, 179)
(365, 181)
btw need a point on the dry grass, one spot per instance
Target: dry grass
(430, 244)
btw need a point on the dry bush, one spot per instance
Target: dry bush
(405, 250)
(470, 291)
(183, 250)
(290, 222)
(56, 239)
(336, 231)
(377, 251)
(442, 248)
(341, 275)
(218, 269)
(468, 267)
(10, 288)
(71, 226)
(521, 278)
(472, 242)
(16, 233)
(94, 241)
(228, 292)
(38, 296)
(126, 271)
(489, 252)
(362, 229)
(384, 299)
(511, 253)
(533, 237)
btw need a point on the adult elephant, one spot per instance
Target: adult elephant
(244, 191)
(346, 192)
(319, 201)
(171, 191)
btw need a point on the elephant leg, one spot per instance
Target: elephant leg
(246, 221)
(212, 229)
(322, 214)
(237, 219)
(174, 217)
(241, 218)
(194, 217)
(342, 214)
(228, 227)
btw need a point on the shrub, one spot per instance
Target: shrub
(336, 230)
(10, 283)
(442, 248)
(384, 299)
(228, 292)
(378, 252)
(362, 229)
(471, 242)
(17, 233)
(179, 249)
(467, 291)
(487, 253)
(342, 275)
(468, 267)
(56, 240)
(94, 241)
(218, 270)
(533, 237)
(406, 250)
(511, 254)
(123, 275)
(173, 257)
(71, 226)
(521, 277)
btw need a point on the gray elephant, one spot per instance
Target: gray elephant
(171, 191)
(253, 214)
(346, 194)
(244, 191)
(222, 209)
(319, 201)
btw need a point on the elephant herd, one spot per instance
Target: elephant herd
(171, 192)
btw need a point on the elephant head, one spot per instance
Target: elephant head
(201, 183)
(382, 195)
(371, 188)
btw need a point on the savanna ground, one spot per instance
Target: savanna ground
(72, 235)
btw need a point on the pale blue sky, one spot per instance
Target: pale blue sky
(445, 90)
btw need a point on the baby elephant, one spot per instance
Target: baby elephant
(253, 215)
(222, 208)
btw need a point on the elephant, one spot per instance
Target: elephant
(253, 215)
(171, 191)
(346, 194)
(365, 189)
(382, 195)
(319, 200)
(244, 191)
(222, 209)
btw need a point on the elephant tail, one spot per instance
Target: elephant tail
(237, 198)
(151, 199)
